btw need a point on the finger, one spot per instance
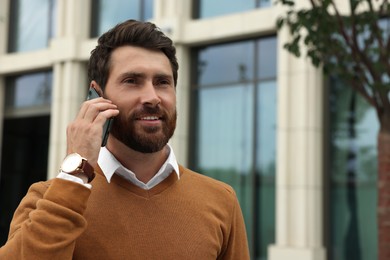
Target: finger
(94, 109)
(103, 116)
(90, 104)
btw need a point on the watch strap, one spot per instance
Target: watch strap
(88, 170)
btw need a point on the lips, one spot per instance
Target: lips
(149, 118)
(149, 114)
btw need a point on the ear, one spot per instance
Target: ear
(97, 87)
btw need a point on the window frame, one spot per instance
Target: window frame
(255, 238)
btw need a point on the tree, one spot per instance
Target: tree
(353, 45)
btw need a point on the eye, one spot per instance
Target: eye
(130, 81)
(163, 82)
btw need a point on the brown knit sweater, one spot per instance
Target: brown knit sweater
(195, 217)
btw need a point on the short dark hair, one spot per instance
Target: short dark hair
(133, 33)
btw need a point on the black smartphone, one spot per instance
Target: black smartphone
(92, 93)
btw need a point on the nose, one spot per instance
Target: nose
(149, 95)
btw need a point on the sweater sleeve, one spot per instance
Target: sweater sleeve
(237, 243)
(47, 222)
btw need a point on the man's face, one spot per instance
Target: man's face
(141, 84)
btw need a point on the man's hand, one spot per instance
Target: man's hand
(84, 134)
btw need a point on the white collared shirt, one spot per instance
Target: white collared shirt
(110, 165)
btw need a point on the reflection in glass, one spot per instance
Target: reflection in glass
(32, 24)
(266, 58)
(226, 128)
(24, 160)
(231, 62)
(147, 10)
(108, 13)
(353, 174)
(266, 160)
(28, 90)
(211, 8)
(235, 129)
(225, 139)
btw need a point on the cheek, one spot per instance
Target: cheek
(169, 101)
(125, 105)
(124, 110)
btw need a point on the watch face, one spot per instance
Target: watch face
(71, 162)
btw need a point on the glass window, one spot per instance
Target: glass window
(108, 13)
(352, 175)
(234, 138)
(265, 165)
(32, 24)
(266, 59)
(23, 162)
(211, 8)
(29, 90)
(25, 140)
(227, 63)
(216, 107)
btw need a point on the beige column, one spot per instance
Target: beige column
(4, 6)
(69, 91)
(180, 140)
(4, 18)
(171, 16)
(69, 74)
(299, 186)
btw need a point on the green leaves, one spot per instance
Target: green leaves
(354, 46)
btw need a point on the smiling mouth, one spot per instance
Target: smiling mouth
(149, 118)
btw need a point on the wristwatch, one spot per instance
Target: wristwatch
(74, 164)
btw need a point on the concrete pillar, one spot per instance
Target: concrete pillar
(299, 185)
(4, 7)
(69, 91)
(171, 17)
(70, 81)
(4, 18)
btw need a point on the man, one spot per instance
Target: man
(140, 204)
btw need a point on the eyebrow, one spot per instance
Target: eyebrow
(132, 74)
(143, 75)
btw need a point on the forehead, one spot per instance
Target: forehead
(138, 59)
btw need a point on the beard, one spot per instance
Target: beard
(144, 139)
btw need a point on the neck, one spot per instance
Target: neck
(143, 165)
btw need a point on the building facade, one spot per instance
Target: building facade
(249, 114)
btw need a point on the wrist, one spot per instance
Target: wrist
(83, 177)
(78, 166)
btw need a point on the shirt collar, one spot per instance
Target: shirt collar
(109, 165)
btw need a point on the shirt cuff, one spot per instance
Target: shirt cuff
(69, 177)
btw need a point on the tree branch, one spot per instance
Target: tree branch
(358, 55)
